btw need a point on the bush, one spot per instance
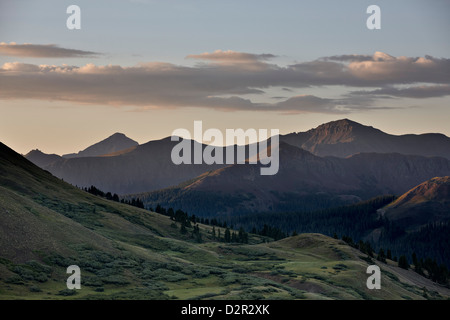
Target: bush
(15, 279)
(201, 274)
(116, 279)
(67, 292)
(340, 266)
(35, 289)
(27, 273)
(92, 282)
(239, 270)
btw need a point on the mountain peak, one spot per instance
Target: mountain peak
(343, 124)
(340, 131)
(34, 152)
(40, 158)
(113, 144)
(117, 134)
(344, 121)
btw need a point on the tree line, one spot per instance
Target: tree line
(426, 267)
(187, 220)
(135, 202)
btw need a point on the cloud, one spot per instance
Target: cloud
(349, 57)
(417, 92)
(232, 56)
(233, 59)
(380, 69)
(41, 51)
(226, 77)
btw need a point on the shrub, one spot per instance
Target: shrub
(116, 279)
(67, 292)
(15, 279)
(340, 266)
(35, 289)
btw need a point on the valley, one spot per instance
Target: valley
(331, 215)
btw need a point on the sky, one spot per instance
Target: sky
(146, 68)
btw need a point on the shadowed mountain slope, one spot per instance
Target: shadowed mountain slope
(304, 182)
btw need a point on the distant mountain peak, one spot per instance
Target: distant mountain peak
(34, 151)
(113, 144)
(345, 125)
(40, 158)
(344, 121)
(117, 134)
(345, 137)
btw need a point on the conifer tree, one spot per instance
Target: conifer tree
(403, 262)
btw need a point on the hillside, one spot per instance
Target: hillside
(343, 138)
(129, 253)
(304, 182)
(426, 203)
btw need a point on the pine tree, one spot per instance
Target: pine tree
(183, 229)
(403, 263)
(389, 254)
(241, 235)
(381, 256)
(227, 236)
(171, 213)
(369, 249)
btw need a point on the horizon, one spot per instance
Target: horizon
(206, 143)
(147, 68)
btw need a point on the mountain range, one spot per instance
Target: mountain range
(148, 167)
(125, 252)
(304, 182)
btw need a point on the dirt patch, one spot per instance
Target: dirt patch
(306, 286)
(297, 284)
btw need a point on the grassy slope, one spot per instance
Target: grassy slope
(128, 253)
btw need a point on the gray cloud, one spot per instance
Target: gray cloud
(418, 92)
(349, 57)
(220, 84)
(41, 51)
